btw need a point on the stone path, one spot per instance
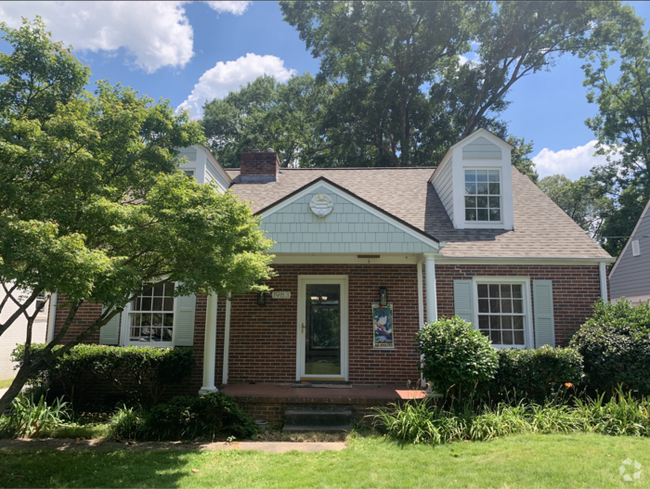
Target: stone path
(67, 445)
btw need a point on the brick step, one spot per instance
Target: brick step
(317, 420)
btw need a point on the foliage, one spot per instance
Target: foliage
(423, 422)
(185, 417)
(622, 125)
(409, 79)
(615, 344)
(28, 418)
(536, 375)
(520, 157)
(91, 202)
(583, 200)
(141, 373)
(455, 354)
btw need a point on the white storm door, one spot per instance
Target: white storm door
(322, 352)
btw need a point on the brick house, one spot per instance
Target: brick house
(364, 257)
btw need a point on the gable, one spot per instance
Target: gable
(630, 276)
(481, 149)
(351, 227)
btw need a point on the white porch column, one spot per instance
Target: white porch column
(430, 278)
(420, 294)
(210, 345)
(226, 342)
(603, 280)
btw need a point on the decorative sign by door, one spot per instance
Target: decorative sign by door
(382, 320)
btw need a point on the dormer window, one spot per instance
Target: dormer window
(482, 195)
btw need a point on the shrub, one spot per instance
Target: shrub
(141, 374)
(126, 424)
(186, 417)
(615, 344)
(536, 375)
(455, 354)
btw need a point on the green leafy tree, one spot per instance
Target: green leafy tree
(520, 157)
(403, 90)
(622, 126)
(92, 204)
(265, 113)
(583, 200)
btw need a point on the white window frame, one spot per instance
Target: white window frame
(529, 340)
(125, 328)
(188, 168)
(486, 224)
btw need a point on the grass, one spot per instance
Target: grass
(534, 461)
(4, 384)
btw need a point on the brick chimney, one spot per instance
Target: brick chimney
(259, 167)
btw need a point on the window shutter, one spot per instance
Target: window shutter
(184, 334)
(543, 305)
(109, 333)
(464, 300)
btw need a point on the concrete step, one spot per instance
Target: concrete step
(317, 420)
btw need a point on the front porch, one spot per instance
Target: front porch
(271, 401)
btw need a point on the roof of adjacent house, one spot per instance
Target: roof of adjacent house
(542, 229)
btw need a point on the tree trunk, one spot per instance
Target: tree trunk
(16, 386)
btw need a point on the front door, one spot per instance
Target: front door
(322, 328)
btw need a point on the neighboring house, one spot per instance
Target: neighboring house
(16, 334)
(630, 275)
(471, 237)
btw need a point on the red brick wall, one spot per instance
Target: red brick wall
(263, 338)
(575, 289)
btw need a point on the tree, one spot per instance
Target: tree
(265, 113)
(520, 157)
(402, 91)
(92, 204)
(583, 200)
(622, 126)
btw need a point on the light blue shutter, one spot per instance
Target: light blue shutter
(109, 334)
(543, 305)
(464, 300)
(185, 311)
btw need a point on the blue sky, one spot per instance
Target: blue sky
(189, 51)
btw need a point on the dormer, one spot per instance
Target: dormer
(474, 182)
(203, 166)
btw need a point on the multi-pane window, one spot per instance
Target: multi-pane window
(40, 302)
(501, 314)
(482, 195)
(188, 173)
(152, 314)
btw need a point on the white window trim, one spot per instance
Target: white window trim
(189, 168)
(529, 340)
(485, 224)
(125, 326)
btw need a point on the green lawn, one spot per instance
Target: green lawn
(521, 461)
(4, 384)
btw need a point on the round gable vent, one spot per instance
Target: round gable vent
(321, 205)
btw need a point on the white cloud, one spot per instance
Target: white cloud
(227, 77)
(236, 8)
(157, 34)
(572, 163)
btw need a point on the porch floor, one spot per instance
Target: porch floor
(353, 394)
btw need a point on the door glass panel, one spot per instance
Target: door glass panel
(323, 330)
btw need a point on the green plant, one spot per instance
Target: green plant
(615, 344)
(126, 424)
(534, 375)
(455, 355)
(28, 418)
(207, 416)
(142, 374)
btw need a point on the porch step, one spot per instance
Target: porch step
(317, 420)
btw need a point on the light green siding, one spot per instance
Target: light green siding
(347, 229)
(481, 149)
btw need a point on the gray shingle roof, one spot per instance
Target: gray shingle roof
(542, 229)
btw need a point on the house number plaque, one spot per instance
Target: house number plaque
(281, 294)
